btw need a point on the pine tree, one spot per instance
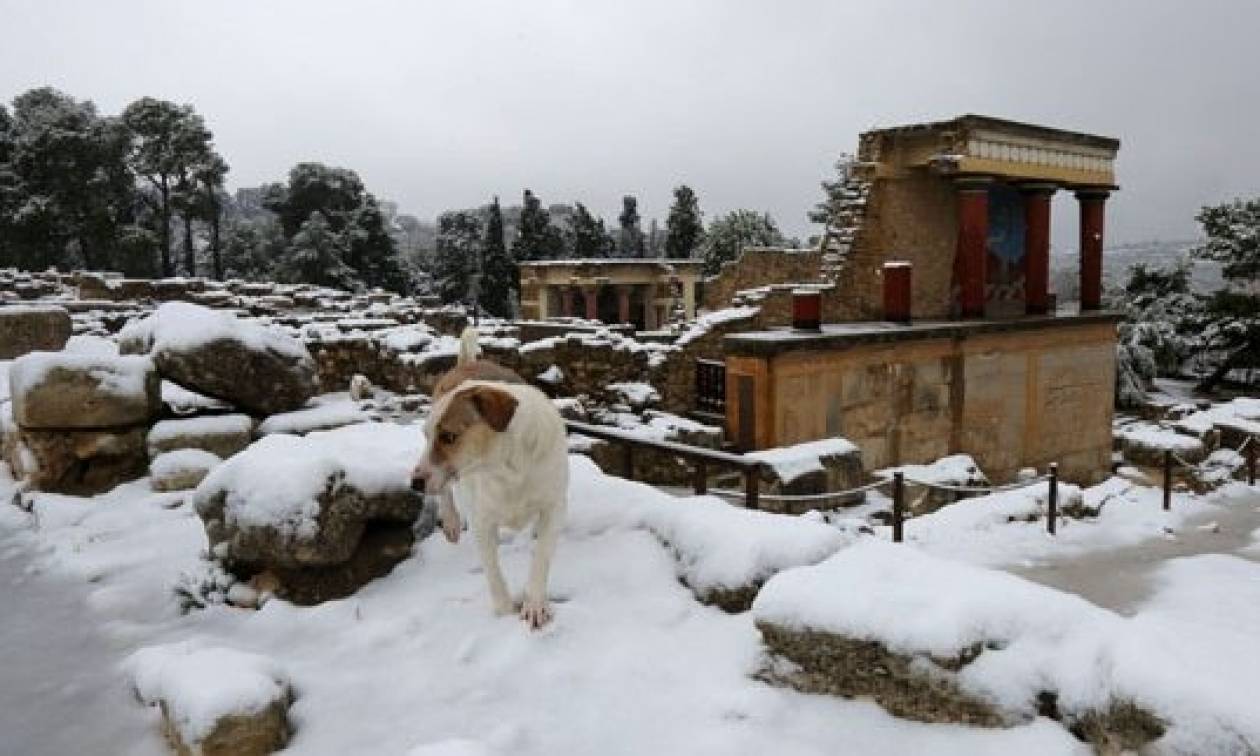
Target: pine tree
(315, 255)
(498, 273)
(459, 243)
(371, 251)
(630, 239)
(1231, 326)
(684, 228)
(536, 238)
(587, 235)
(835, 192)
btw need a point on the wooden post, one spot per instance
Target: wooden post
(702, 478)
(1168, 472)
(899, 503)
(1052, 506)
(627, 462)
(752, 483)
(1251, 460)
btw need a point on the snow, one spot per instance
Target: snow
(275, 482)
(954, 470)
(552, 375)
(181, 326)
(201, 685)
(180, 461)
(185, 402)
(319, 417)
(86, 344)
(1241, 413)
(1032, 638)
(634, 393)
(1150, 436)
(121, 376)
(207, 425)
(711, 320)
(4, 379)
(792, 462)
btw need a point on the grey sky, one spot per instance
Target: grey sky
(441, 105)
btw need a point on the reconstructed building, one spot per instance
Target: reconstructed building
(638, 291)
(944, 337)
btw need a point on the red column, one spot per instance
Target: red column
(1037, 248)
(897, 291)
(591, 295)
(566, 301)
(971, 254)
(1093, 210)
(623, 304)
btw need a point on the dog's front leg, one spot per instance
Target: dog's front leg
(534, 610)
(448, 515)
(487, 535)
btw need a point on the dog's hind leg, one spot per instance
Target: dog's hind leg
(487, 536)
(534, 609)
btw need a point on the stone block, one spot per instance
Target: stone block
(32, 328)
(78, 462)
(67, 390)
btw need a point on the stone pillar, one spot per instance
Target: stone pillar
(689, 297)
(971, 254)
(1037, 247)
(591, 295)
(623, 304)
(566, 301)
(1093, 204)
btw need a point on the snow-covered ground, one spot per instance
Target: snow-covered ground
(633, 663)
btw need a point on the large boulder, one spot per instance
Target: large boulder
(258, 369)
(181, 470)
(77, 462)
(221, 435)
(322, 514)
(829, 464)
(214, 701)
(32, 328)
(53, 390)
(1145, 444)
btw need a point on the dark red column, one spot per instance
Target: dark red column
(1037, 247)
(623, 304)
(971, 255)
(897, 291)
(591, 295)
(1093, 210)
(566, 301)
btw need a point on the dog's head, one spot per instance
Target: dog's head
(462, 426)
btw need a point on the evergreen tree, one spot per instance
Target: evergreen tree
(168, 143)
(587, 236)
(684, 229)
(1231, 324)
(630, 239)
(498, 273)
(729, 234)
(459, 243)
(536, 237)
(252, 248)
(315, 255)
(371, 251)
(335, 193)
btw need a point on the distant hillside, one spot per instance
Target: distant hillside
(1206, 276)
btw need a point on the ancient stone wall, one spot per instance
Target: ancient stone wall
(758, 267)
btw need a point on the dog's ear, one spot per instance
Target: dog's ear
(495, 406)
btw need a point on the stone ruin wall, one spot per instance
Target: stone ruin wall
(758, 267)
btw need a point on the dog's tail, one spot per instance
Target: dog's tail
(469, 350)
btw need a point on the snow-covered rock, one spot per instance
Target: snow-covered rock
(256, 368)
(182, 469)
(830, 464)
(58, 390)
(221, 435)
(78, 462)
(929, 485)
(214, 701)
(325, 513)
(317, 418)
(1145, 444)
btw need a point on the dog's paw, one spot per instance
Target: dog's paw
(451, 528)
(535, 613)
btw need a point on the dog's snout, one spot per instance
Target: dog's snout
(419, 481)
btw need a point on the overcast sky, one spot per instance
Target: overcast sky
(441, 105)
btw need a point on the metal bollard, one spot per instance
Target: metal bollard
(1251, 461)
(627, 462)
(702, 478)
(1168, 472)
(1052, 505)
(752, 487)
(899, 504)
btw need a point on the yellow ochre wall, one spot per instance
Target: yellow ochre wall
(1011, 399)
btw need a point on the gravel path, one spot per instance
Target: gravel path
(62, 692)
(1121, 579)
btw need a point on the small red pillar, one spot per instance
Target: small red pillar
(566, 301)
(623, 304)
(591, 295)
(1037, 247)
(1093, 210)
(897, 282)
(807, 309)
(971, 254)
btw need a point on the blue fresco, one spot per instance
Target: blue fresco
(1006, 224)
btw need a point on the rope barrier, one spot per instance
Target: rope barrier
(805, 497)
(980, 489)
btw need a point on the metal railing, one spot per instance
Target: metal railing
(1172, 461)
(700, 457)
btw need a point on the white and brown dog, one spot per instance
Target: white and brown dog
(497, 446)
